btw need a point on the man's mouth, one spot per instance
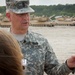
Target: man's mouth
(25, 22)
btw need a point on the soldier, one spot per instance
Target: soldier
(38, 53)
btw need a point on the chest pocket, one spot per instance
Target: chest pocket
(33, 52)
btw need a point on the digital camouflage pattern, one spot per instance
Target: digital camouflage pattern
(18, 6)
(40, 56)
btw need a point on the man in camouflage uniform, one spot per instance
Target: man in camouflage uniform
(38, 54)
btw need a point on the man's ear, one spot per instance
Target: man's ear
(8, 16)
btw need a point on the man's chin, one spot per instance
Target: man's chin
(24, 27)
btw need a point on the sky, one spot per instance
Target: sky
(45, 2)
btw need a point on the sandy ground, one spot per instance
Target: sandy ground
(61, 38)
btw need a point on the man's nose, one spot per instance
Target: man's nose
(25, 16)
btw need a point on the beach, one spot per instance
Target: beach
(61, 38)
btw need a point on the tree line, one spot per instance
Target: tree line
(68, 9)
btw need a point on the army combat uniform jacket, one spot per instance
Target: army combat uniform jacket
(40, 56)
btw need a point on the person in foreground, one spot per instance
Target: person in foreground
(10, 55)
(38, 53)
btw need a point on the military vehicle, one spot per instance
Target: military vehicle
(5, 22)
(42, 21)
(73, 18)
(65, 20)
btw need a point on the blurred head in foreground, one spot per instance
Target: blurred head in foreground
(10, 55)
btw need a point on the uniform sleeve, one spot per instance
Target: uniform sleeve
(52, 67)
